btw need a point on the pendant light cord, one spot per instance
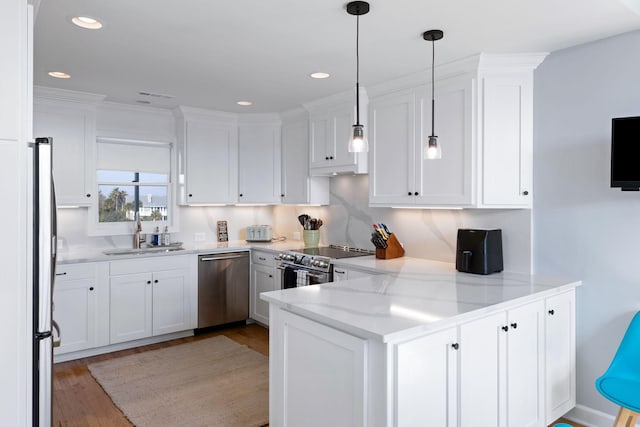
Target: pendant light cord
(433, 103)
(358, 70)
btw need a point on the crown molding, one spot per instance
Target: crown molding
(44, 93)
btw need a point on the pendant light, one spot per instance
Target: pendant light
(358, 142)
(432, 149)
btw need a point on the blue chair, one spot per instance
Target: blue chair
(621, 383)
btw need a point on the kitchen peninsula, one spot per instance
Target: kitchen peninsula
(424, 345)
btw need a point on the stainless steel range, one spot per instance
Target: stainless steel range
(312, 266)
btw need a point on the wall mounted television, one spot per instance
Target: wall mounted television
(625, 153)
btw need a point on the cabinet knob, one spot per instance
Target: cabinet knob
(61, 274)
(190, 195)
(271, 275)
(88, 194)
(514, 325)
(330, 157)
(415, 194)
(505, 328)
(326, 158)
(551, 312)
(282, 195)
(455, 346)
(240, 194)
(409, 193)
(91, 288)
(148, 282)
(525, 193)
(155, 281)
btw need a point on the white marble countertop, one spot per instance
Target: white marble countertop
(425, 296)
(82, 254)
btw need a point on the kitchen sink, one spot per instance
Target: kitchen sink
(143, 251)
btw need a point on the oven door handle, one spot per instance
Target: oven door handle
(316, 276)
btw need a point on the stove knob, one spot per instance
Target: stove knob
(324, 264)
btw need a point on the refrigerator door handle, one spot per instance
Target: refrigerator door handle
(45, 363)
(45, 231)
(57, 338)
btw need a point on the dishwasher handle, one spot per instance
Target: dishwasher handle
(222, 257)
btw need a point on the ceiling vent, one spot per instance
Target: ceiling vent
(155, 95)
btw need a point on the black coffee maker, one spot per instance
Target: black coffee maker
(479, 251)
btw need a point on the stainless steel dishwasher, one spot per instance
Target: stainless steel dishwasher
(223, 288)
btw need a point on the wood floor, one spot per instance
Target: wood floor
(79, 401)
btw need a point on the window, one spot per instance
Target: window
(121, 194)
(131, 177)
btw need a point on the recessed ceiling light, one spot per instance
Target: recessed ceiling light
(59, 75)
(244, 103)
(87, 22)
(320, 75)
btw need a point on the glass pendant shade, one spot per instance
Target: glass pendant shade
(432, 150)
(357, 142)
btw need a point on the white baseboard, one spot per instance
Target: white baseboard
(591, 417)
(65, 357)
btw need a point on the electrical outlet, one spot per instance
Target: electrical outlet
(199, 237)
(296, 235)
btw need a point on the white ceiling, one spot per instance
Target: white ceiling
(212, 53)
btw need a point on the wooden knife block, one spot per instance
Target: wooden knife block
(393, 250)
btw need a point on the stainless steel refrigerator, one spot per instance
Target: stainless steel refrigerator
(44, 263)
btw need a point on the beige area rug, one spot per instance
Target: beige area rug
(213, 382)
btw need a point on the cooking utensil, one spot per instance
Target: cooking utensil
(319, 224)
(302, 219)
(313, 222)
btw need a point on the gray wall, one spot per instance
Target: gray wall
(581, 226)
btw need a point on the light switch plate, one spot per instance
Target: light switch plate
(199, 237)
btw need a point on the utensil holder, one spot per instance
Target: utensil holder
(394, 249)
(311, 238)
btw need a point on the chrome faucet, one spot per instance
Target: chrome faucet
(137, 236)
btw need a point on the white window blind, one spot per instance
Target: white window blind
(133, 155)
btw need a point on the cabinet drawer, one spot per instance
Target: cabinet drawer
(263, 258)
(66, 272)
(149, 264)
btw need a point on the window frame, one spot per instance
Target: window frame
(97, 228)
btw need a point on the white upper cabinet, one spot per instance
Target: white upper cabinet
(259, 159)
(297, 187)
(207, 157)
(70, 119)
(483, 120)
(400, 126)
(392, 149)
(506, 138)
(331, 123)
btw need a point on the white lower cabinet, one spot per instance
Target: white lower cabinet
(130, 307)
(560, 354)
(344, 273)
(265, 277)
(324, 377)
(501, 383)
(148, 298)
(78, 306)
(426, 385)
(489, 371)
